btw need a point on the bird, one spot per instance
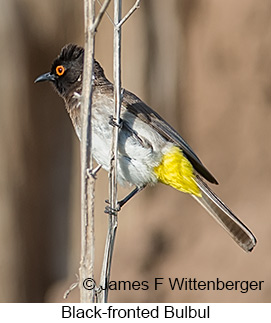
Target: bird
(150, 150)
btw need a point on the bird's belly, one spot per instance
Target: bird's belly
(136, 160)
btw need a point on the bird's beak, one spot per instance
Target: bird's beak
(45, 77)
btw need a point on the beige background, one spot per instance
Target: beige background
(205, 66)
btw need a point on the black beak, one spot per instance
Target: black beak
(45, 77)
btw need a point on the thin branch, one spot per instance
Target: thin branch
(112, 218)
(130, 12)
(86, 269)
(100, 16)
(71, 288)
(107, 14)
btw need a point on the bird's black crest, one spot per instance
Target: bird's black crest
(69, 53)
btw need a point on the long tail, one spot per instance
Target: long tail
(224, 216)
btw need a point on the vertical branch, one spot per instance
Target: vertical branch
(117, 107)
(87, 182)
(113, 219)
(113, 210)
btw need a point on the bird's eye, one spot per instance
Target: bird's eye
(60, 70)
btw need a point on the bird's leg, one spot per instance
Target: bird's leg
(124, 200)
(130, 195)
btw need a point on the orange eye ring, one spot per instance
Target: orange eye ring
(60, 70)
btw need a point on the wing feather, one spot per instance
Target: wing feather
(135, 106)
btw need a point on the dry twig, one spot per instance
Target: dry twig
(112, 219)
(87, 182)
(100, 16)
(130, 12)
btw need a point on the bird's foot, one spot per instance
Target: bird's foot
(112, 211)
(113, 122)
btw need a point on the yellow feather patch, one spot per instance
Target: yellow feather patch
(175, 170)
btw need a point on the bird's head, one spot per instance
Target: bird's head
(67, 70)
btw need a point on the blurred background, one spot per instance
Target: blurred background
(205, 66)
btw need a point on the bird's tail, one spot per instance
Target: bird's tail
(224, 216)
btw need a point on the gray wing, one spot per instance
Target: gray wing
(134, 105)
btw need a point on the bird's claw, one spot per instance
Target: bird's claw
(112, 211)
(113, 122)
